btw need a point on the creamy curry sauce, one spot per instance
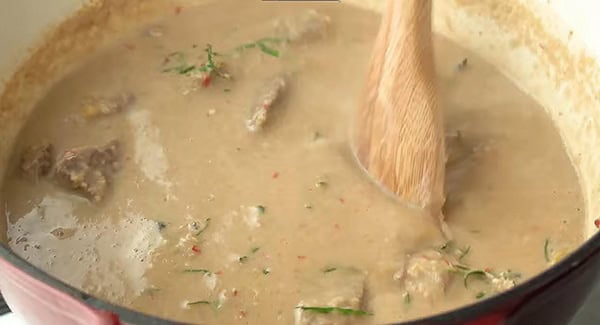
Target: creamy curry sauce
(202, 210)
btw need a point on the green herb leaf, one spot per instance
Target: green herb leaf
(473, 273)
(261, 209)
(205, 271)
(266, 271)
(177, 62)
(547, 251)
(407, 299)
(264, 44)
(329, 269)
(210, 53)
(321, 183)
(161, 225)
(268, 50)
(329, 310)
(480, 295)
(199, 302)
(206, 224)
(185, 69)
(463, 64)
(468, 273)
(244, 259)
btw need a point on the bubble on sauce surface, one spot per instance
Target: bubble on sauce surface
(93, 263)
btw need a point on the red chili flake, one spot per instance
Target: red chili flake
(129, 46)
(301, 257)
(219, 272)
(235, 292)
(178, 10)
(206, 81)
(487, 269)
(243, 314)
(342, 200)
(196, 249)
(597, 223)
(337, 226)
(275, 175)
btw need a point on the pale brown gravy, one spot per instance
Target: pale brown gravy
(187, 158)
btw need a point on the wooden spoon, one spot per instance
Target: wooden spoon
(399, 128)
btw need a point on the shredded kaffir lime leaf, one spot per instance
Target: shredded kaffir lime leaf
(244, 259)
(203, 229)
(337, 310)
(407, 299)
(329, 269)
(204, 271)
(177, 62)
(547, 251)
(199, 302)
(473, 273)
(161, 225)
(263, 44)
(468, 273)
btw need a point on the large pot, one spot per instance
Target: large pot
(549, 48)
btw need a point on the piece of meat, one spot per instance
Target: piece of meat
(310, 25)
(426, 274)
(271, 94)
(88, 170)
(95, 107)
(37, 161)
(343, 288)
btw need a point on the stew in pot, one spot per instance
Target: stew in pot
(200, 170)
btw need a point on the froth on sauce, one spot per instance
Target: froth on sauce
(207, 221)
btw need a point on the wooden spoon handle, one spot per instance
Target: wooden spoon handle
(399, 126)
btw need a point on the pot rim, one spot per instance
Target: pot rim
(471, 311)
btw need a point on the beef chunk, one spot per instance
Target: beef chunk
(309, 26)
(426, 274)
(102, 106)
(271, 94)
(88, 170)
(342, 288)
(37, 161)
